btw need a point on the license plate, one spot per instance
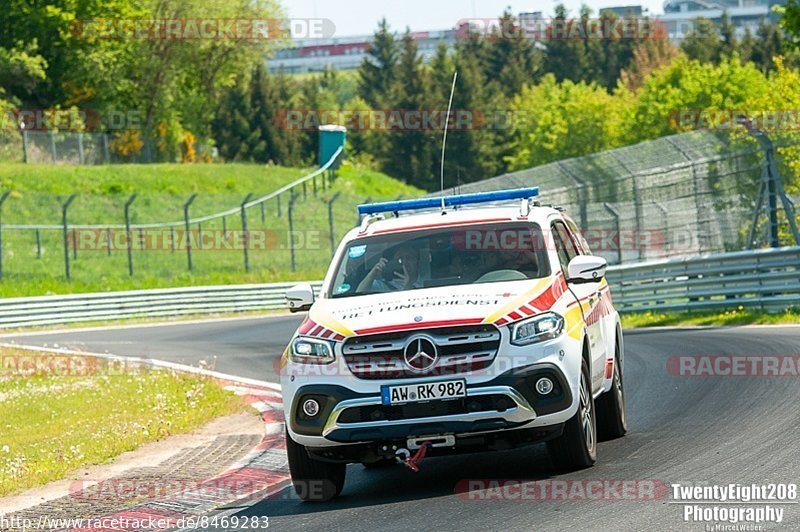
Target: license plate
(427, 391)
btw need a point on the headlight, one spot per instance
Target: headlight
(538, 329)
(311, 351)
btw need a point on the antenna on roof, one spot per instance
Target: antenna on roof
(444, 138)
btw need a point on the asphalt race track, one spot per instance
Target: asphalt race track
(687, 430)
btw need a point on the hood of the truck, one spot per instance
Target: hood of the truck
(496, 303)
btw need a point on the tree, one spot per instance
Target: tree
(728, 44)
(703, 42)
(565, 57)
(377, 70)
(409, 154)
(790, 21)
(648, 56)
(769, 44)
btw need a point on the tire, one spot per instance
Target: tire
(612, 419)
(313, 480)
(576, 448)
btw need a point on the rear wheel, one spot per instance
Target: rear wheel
(612, 420)
(313, 480)
(576, 448)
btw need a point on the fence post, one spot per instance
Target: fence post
(581, 196)
(106, 153)
(637, 199)
(305, 194)
(358, 214)
(172, 239)
(665, 219)
(53, 145)
(314, 185)
(188, 229)
(292, 199)
(278, 197)
(245, 235)
(80, 149)
(199, 235)
(128, 233)
(74, 244)
(224, 228)
(330, 222)
(615, 214)
(38, 245)
(108, 241)
(263, 206)
(3, 199)
(24, 144)
(65, 234)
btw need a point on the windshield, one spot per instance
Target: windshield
(441, 257)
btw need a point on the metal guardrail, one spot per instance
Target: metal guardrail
(75, 308)
(765, 279)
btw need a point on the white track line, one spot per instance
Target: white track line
(148, 362)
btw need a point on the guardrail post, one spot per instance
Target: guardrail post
(615, 214)
(330, 222)
(3, 199)
(129, 243)
(38, 245)
(188, 228)
(245, 235)
(65, 234)
(292, 199)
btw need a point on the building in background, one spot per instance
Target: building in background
(679, 15)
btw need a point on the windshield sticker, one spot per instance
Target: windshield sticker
(357, 251)
(344, 288)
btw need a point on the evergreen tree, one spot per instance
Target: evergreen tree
(727, 31)
(703, 42)
(378, 70)
(769, 43)
(231, 125)
(565, 56)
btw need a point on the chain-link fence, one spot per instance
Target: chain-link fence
(71, 147)
(681, 195)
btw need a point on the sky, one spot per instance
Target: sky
(360, 17)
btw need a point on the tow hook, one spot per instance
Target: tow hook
(404, 456)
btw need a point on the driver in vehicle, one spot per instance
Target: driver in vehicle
(401, 272)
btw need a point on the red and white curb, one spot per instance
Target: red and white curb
(262, 473)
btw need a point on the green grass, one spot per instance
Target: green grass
(38, 190)
(739, 316)
(53, 423)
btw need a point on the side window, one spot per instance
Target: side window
(565, 247)
(577, 236)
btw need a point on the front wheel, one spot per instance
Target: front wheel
(576, 448)
(313, 480)
(612, 420)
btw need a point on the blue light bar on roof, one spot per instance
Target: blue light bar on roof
(449, 201)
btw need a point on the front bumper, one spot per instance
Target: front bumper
(509, 401)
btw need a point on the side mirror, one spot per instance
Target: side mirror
(586, 269)
(300, 297)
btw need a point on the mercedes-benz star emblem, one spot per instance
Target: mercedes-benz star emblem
(420, 354)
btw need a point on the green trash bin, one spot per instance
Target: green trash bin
(331, 138)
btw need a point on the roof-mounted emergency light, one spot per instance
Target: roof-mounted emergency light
(449, 201)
